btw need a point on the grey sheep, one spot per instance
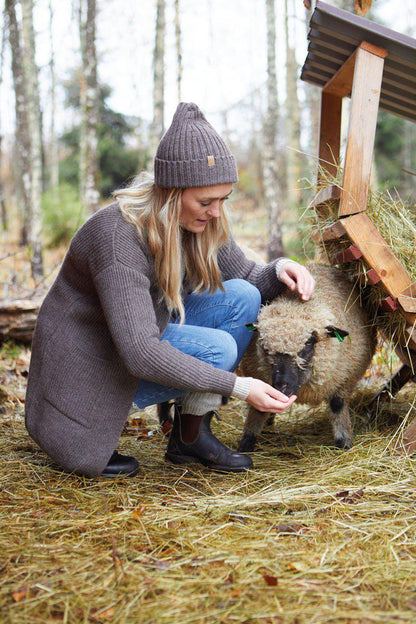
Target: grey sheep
(318, 349)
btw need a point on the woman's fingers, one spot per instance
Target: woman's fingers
(265, 398)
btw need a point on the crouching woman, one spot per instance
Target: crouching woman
(151, 303)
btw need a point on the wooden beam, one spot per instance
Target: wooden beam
(330, 233)
(377, 253)
(366, 86)
(330, 133)
(329, 193)
(350, 254)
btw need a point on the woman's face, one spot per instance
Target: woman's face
(201, 204)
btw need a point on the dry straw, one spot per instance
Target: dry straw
(396, 222)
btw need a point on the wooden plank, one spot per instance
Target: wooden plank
(370, 278)
(360, 143)
(350, 254)
(388, 304)
(330, 233)
(411, 337)
(378, 255)
(330, 133)
(407, 303)
(329, 193)
(341, 82)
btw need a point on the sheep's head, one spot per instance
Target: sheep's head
(288, 338)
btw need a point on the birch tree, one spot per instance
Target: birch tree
(88, 171)
(272, 188)
(22, 129)
(178, 46)
(157, 126)
(2, 199)
(35, 136)
(53, 141)
(293, 156)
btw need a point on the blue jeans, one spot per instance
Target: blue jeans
(214, 331)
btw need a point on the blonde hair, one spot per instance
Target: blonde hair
(155, 212)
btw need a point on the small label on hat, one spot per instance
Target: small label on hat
(211, 161)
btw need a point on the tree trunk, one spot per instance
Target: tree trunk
(22, 128)
(34, 125)
(53, 141)
(157, 127)
(88, 172)
(293, 156)
(272, 188)
(312, 98)
(2, 200)
(178, 45)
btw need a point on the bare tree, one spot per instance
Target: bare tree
(35, 134)
(272, 188)
(178, 45)
(22, 128)
(293, 156)
(157, 126)
(88, 171)
(2, 198)
(53, 141)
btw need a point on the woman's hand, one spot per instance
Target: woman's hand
(297, 277)
(265, 398)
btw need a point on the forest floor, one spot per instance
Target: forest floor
(310, 535)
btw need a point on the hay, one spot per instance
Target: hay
(311, 535)
(396, 222)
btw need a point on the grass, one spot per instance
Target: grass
(311, 534)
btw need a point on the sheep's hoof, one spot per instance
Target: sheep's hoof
(247, 443)
(343, 442)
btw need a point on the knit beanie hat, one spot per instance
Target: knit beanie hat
(191, 153)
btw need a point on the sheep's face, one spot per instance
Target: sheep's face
(289, 373)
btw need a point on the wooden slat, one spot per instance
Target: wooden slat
(362, 128)
(330, 133)
(350, 254)
(370, 278)
(341, 82)
(329, 193)
(330, 233)
(407, 303)
(389, 304)
(378, 255)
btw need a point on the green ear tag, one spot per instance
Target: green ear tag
(251, 327)
(339, 338)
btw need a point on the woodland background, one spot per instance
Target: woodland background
(88, 88)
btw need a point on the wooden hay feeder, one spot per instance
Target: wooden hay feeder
(350, 56)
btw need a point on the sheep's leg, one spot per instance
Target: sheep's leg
(253, 426)
(341, 422)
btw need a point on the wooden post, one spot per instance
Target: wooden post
(330, 133)
(365, 96)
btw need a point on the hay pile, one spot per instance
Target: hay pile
(311, 535)
(396, 222)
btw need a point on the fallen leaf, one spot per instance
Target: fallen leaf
(271, 581)
(292, 527)
(138, 511)
(346, 497)
(20, 594)
(362, 6)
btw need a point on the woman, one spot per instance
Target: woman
(151, 303)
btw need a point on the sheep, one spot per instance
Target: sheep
(318, 350)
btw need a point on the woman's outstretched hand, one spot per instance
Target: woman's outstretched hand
(297, 277)
(265, 398)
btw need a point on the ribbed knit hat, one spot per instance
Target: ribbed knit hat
(191, 153)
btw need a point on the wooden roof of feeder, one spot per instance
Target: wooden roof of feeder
(335, 34)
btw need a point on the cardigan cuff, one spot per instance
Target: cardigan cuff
(242, 387)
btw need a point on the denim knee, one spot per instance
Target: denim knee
(224, 351)
(246, 297)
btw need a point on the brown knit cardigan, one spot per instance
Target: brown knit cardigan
(98, 333)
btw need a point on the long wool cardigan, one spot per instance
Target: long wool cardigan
(99, 332)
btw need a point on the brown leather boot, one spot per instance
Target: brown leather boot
(192, 441)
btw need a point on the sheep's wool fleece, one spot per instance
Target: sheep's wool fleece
(285, 325)
(99, 332)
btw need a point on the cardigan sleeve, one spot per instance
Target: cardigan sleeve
(234, 264)
(125, 298)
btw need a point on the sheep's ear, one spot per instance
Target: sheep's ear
(336, 332)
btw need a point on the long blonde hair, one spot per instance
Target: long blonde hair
(156, 214)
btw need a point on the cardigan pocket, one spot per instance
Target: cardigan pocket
(79, 385)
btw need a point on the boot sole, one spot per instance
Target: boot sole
(188, 459)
